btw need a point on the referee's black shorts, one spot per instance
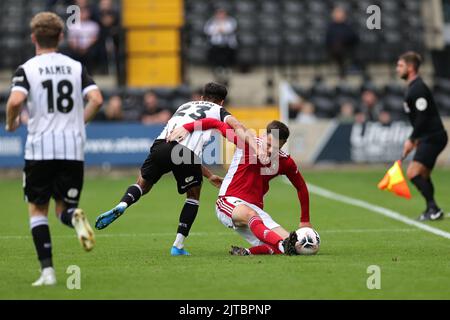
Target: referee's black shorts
(171, 156)
(57, 179)
(429, 148)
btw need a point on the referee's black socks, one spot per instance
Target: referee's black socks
(132, 195)
(426, 188)
(41, 238)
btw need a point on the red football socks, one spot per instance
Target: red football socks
(263, 233)
(264, 249)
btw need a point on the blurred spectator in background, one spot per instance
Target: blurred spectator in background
(306, 114)
(153, 112)
(221, 32)
(347, 113)
(112, 111)
(83, 40)
(385, 118)
(369, 108)
(91, 5)
(109, 20)
(341, 40)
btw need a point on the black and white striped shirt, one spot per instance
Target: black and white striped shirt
(55, 86)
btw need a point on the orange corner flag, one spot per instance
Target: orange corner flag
(395, 182)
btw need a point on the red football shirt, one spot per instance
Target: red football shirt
(247, 178)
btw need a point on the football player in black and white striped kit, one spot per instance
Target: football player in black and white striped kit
(53, 86)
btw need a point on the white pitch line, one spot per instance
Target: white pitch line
(377, 209)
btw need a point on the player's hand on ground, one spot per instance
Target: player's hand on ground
(408, 147)
(14, 126)
(216, 180)
(178, 134)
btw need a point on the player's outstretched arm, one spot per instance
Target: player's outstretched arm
(13, 107)
(299, 183)
(249, 137)
(179, 134)
(95, 101)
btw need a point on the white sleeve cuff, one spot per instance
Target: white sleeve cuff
(89, 88)
(21, 89)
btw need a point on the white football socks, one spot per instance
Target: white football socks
(280, 246)
(123, 204)
(179, 241)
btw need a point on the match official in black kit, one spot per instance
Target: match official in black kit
(428, 138)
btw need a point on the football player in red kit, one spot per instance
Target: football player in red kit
(240, 202)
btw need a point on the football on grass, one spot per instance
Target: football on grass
(308, 241)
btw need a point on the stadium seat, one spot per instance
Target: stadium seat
(311, 19)
(268, 22)
(394, 88)
(246, 56)
(198, 6)
(322, 97)
(270, 7)
(394, 98)
(346, 93)
(248, 39)
(294, 7)
(441, 85)
(324, 107)
(246, 23)
(294, 43)
(223, 4)
(302, 91)
(393, 103)
(246, 6)
(195, 25)
(197, 49)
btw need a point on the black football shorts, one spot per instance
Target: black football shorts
(171, 156)
(59, 179)
(429, 149)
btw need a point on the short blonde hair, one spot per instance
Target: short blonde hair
(412, 57)
(47, 27)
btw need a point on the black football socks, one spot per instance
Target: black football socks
(66, 217)
(187, 216)
(426, 188)
(41, 238)
(132, 195)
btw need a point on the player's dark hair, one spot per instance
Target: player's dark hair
(283, 130)
(214, 92)
(47, 27)
(411, 57)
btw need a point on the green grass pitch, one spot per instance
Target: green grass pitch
(131, 259)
